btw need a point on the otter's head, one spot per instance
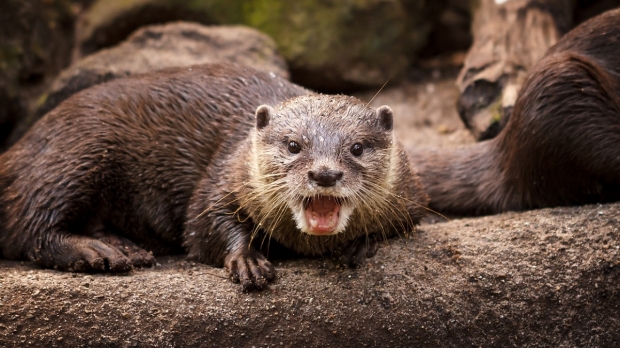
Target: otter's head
(322, 157)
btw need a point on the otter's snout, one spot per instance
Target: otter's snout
(325, 178)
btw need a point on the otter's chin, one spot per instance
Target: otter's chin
(322, 215)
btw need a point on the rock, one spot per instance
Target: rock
(330, 46)
(345, 45)
(541, 278)
(162, 46)
(36, 38)
(509, 38)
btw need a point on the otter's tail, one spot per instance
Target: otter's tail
(464, 180)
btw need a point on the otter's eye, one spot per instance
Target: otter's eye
(357, 149)
(294, 147)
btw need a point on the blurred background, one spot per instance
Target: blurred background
(453, 67)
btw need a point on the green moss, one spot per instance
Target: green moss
(320, 32)
(41, 100)
(496, 111)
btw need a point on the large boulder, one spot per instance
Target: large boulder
(162, 46)
(330, 45)
(36, 39)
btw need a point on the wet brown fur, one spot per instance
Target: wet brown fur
(561, 145)
(163, 160)
(339, 121)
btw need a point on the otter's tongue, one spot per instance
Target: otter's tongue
(322, 214)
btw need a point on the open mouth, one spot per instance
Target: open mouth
(322, 214)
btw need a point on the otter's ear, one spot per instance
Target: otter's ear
(384, 115)
(263, 116)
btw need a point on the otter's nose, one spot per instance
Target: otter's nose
(325, 178)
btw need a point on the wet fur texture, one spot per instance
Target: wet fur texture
(270, 179)
(561, 145)
(172, 161)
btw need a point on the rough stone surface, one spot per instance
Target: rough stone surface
(330, 45)
(537, 279)
(163, 46)
(35, 43)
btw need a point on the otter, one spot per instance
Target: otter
(561, 145)
(217, 161)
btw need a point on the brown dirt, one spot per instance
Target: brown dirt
(541, 278)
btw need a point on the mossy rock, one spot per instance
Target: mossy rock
(329, 45)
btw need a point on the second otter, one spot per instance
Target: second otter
(561, 144)
(182, 160)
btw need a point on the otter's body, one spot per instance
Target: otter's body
(173, 161)
(561, 145)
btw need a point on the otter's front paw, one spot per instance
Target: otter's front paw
(250, 268)
(356, 251)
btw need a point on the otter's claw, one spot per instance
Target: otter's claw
(250, 268)
(356, 251)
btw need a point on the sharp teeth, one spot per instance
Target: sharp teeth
(313, 221)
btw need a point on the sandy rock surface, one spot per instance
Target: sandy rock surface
(544, 278)
(540, 278)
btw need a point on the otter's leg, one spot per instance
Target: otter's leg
(77, 253)
(215, 234)
(50, 221)
(219, 238)
(97, 250)
(250, 268)
(356, 251)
